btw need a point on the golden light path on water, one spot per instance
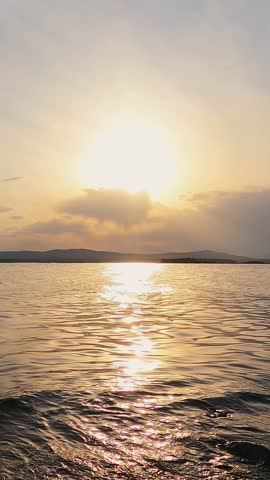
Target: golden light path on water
(129, 289)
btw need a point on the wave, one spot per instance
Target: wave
(132, 435)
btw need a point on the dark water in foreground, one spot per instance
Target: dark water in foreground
(134, 371)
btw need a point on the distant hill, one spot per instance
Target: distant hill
(91, 256)
(204, 254)
(198, 260)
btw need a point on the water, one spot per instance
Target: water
(134, 371)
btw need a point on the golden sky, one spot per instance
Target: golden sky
(135, 125)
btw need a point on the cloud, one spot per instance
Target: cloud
(238, 220)
(110, 205)
(55, 227)
(232, 221)
(11, 179)
(17, 217)
(4, 209)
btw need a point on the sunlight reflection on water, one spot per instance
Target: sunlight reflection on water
(127, 285)
(126, 288)
(133, 368)
(134, 371)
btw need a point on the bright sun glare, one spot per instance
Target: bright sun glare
(133, 154)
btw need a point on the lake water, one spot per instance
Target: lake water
(134, 371)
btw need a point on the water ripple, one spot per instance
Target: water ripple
(134, 372)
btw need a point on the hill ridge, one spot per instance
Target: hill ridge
(89, 255)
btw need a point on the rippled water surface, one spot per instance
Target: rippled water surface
(134, 371)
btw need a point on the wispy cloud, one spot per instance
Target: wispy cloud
(4, 209)
(11, 179)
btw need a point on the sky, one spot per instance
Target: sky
(135, 126)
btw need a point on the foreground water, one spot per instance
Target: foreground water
(134, 371)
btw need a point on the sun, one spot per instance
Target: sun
(132, 154)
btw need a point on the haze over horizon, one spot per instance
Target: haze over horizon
(135, 126)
